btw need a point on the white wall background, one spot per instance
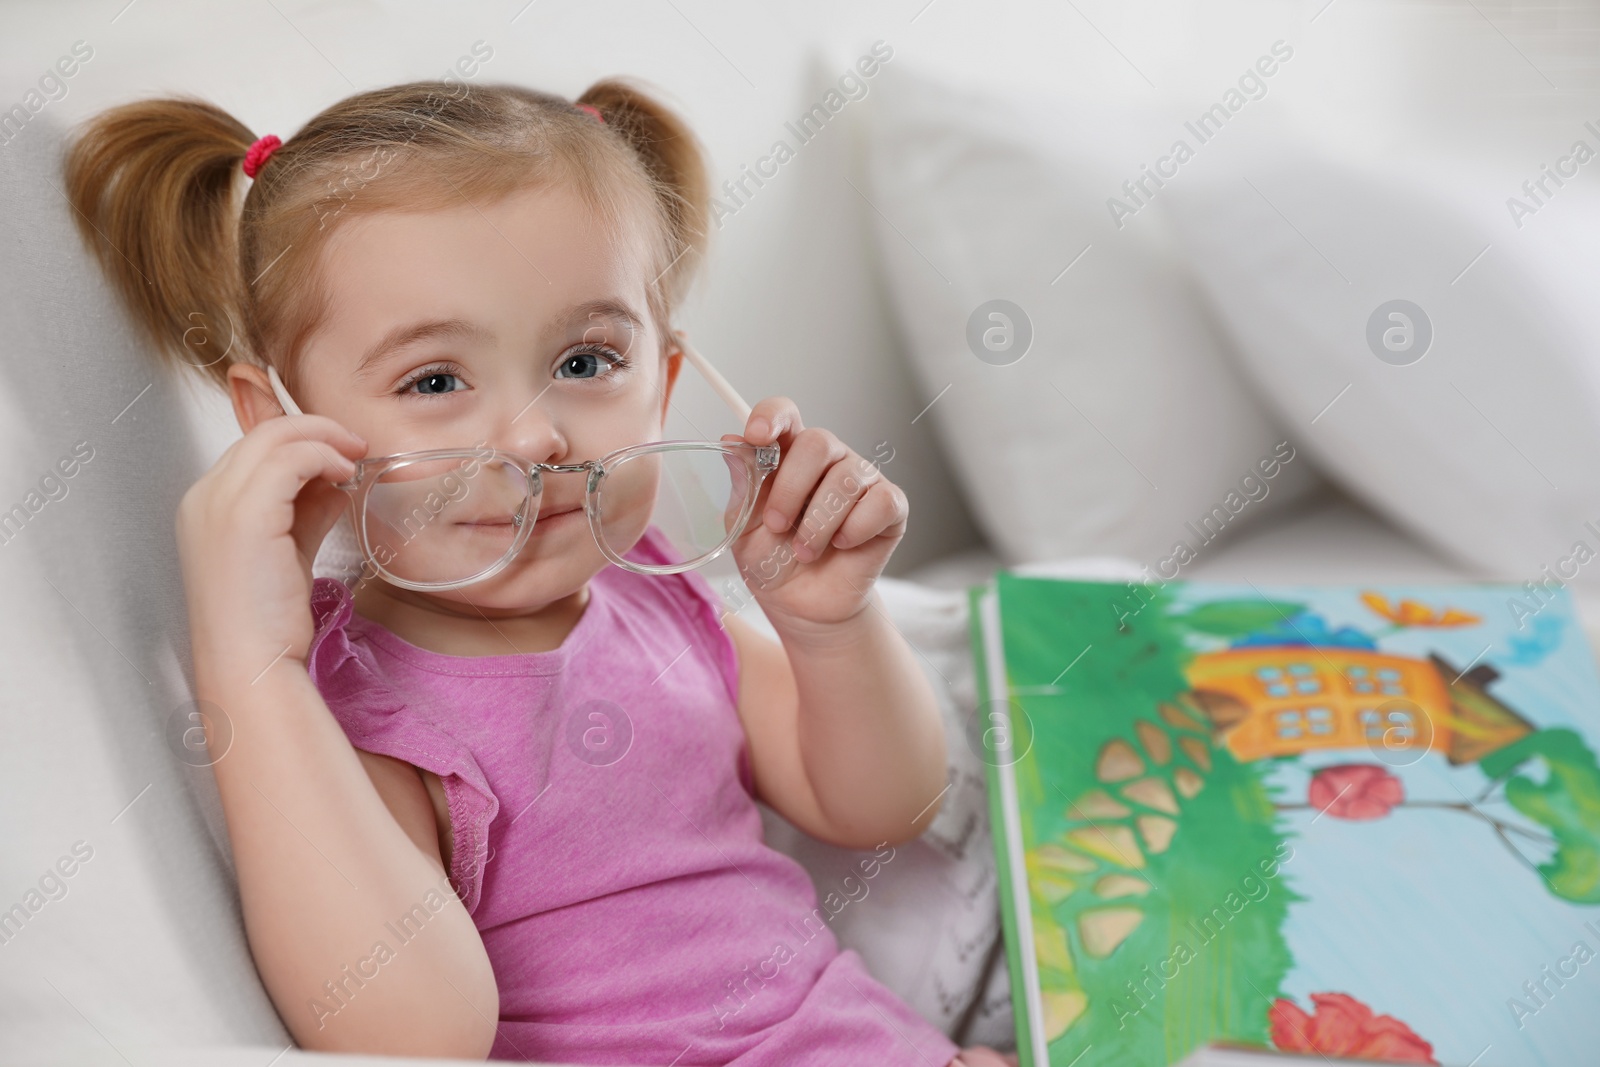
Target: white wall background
(791, 303)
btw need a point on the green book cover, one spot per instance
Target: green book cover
(1358, 822)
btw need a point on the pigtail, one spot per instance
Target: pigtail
(675, 161)
(153, 185)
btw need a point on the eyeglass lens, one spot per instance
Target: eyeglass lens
(441, 520)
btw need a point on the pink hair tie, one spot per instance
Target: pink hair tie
(593, 111)
(259, 153)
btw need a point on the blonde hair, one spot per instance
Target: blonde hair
(154, 185)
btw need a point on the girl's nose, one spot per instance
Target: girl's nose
(528, 428)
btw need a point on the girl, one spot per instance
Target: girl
(513, 817)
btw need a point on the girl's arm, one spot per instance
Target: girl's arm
(354, 929)
(844, 731)
(844, 734)
(337, 861)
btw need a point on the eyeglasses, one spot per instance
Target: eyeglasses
(444, 518)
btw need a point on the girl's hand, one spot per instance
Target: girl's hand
(825, 523)
(248, 532)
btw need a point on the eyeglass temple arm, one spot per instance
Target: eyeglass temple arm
(285, 401)
(718, 383)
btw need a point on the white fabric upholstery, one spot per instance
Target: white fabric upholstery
(1484, 445)
(146, 948)
(1124, 420)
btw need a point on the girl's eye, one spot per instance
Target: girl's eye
(591, 362)
(432, 381)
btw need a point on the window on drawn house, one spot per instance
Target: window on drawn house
(1392, 726)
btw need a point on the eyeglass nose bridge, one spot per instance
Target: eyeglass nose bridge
(594, 467)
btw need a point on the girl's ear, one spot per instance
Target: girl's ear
(674, 365)
(253, 401)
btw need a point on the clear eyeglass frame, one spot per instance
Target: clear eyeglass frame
(758, 461)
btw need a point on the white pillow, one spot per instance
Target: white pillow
(1487, 445)
(1124, 420)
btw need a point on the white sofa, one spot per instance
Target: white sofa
(139, 955)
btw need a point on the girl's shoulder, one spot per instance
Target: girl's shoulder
(339, 663)
(380, 714)
(332, 604)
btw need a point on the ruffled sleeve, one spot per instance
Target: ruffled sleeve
(377, 717)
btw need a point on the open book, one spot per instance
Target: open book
(1349, 822)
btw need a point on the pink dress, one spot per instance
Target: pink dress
(607, 842)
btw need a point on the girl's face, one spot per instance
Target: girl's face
(521, 325)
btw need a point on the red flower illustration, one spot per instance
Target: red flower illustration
(1355, 791)
(1343, 1026)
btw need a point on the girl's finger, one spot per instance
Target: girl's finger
(310, 427)
(317, 508)
(770, 419)
(245, 456)
(286, 471)
(840, 490)
(882, 510)
(808, 457)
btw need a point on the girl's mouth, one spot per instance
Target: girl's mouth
(545, 520)
(541, 520)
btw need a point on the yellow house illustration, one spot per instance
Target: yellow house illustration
(1281, 700)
